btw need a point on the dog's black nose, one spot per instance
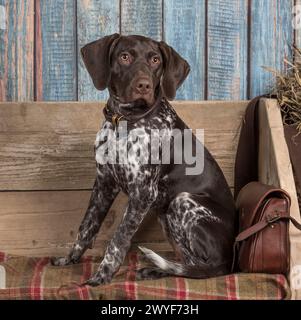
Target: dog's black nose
(143, 86)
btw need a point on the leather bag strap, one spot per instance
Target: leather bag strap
(263, 224)
(256, 228)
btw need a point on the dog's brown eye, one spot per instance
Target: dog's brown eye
(155, 60)
(124, 57)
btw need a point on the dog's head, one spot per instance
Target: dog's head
(134, 67)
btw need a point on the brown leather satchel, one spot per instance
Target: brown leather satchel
(263, 242)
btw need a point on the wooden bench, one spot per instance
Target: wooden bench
(47, 169)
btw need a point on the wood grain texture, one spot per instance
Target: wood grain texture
(227, 49)
(95, 19)
(184, 30)
(46, 223)
(271, 37)
(3, 48)
(142, 17)
(56, 77)
(16, 50)
(62, 27)
(80, 117)
(38, 50)
(275, 168)
(49, 146)
(47, 161)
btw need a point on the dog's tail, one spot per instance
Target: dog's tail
(201, 271)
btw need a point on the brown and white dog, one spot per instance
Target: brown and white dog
(196, 211)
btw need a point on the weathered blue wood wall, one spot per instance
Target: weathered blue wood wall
(225, 41)
(16, 50)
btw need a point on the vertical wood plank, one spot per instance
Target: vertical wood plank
(56, 51)
(95, 19)
(142, 17)
(16, 50)
(38, 94)
(297, 24)
(184, 30)
(3, 41)
(275, 168)
(227, 49)
(271, 37)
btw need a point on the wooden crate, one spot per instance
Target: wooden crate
(47, 169)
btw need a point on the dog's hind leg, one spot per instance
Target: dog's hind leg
(103, 194)
(197, 228)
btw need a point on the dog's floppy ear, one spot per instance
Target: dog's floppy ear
(176, 70)
(96, 56)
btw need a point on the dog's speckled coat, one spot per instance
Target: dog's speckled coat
(196, 212)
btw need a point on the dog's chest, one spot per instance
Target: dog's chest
(131, 155)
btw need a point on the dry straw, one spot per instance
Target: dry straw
(288, 90)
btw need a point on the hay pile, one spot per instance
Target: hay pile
(288, 90)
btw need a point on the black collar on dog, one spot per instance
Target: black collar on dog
(115, 111)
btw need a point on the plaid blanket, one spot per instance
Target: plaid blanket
(36, 279)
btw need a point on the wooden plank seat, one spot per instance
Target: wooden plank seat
(47, 169)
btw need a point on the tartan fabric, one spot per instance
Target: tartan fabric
(36, 279)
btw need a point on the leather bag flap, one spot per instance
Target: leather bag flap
(254, 197)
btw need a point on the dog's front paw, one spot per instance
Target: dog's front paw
(61, 261)
(97, 279)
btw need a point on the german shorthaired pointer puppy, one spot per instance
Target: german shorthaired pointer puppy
(197, 212)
